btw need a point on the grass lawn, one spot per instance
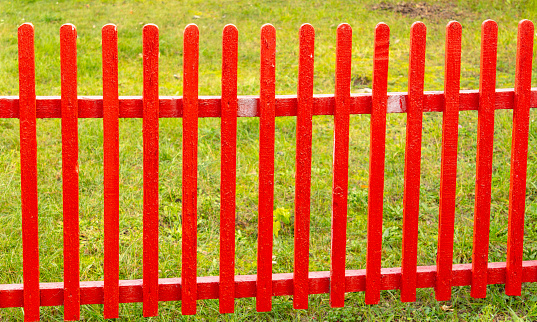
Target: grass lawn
(249, 16)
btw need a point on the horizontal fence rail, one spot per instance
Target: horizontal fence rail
(69, 107)
(248, 106)
(130, 291)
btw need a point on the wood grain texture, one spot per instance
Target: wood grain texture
(111, 171)
(190, 170)
(303, 166)
(266, 168)
(411, 198)
(519, 158)
(377, 148)
(228, 168)
(28, 157)
(341, 165)
(448, 170)
(485, 139)
(69, 124)
(150, 168)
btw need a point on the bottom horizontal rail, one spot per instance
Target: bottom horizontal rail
(130, 291)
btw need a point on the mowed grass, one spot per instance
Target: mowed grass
(249, 16)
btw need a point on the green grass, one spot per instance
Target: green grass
(248, 16)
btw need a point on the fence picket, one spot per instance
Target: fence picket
(28, 151)
(448, 171)
(189, 288)
(69, 110)
(485, 138)
(150, 169)
(519, 158)
(411, 198)
(190, 169)
(228, 143)
(303, 166)
(266, 167)
(341, 165)
(111, 171)
(377, 148)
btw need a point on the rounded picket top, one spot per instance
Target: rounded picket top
(267, 25)
(454, 26)
(418, 27)
(382, 26)
(191, 29)
(68, 32)
(307, 28)
(109, 31)
(307, 35)
(268, 36)
(25, 31)
(382, 30)
(150, 28)
(25, 27)
(68, 27)
(489, 25)
(150, 25)
(230, 29)
(150, 34)
(109, 27)
(344, 28)
(268, 30)
(526, 24)
(453, 38)
(344, 34)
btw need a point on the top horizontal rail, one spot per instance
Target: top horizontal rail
(248, 106)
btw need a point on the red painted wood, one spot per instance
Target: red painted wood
(448, 171)
(303, 166)
(248, 106)
(341, 165)
(230, 37)
(190, 169)
(111, 171)
(28, 146)
(266, 168)
(377, 149)
(485, 138)
(130, 291)
(519, 157)
(69, 111)
(411, 198)
(150, 169)
(442, 276)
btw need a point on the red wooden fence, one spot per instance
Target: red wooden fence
(226, 287)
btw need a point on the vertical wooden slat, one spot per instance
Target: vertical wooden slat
(376, 163)
(151, 168)
(341, 165)
(69, 103)
(228, 143)
(519, 158)
(190, 169)
(411, 196)
(448, 171)
(111, 171)
(303, 167)
(485, 138)
(28, 146)
(266, 168)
